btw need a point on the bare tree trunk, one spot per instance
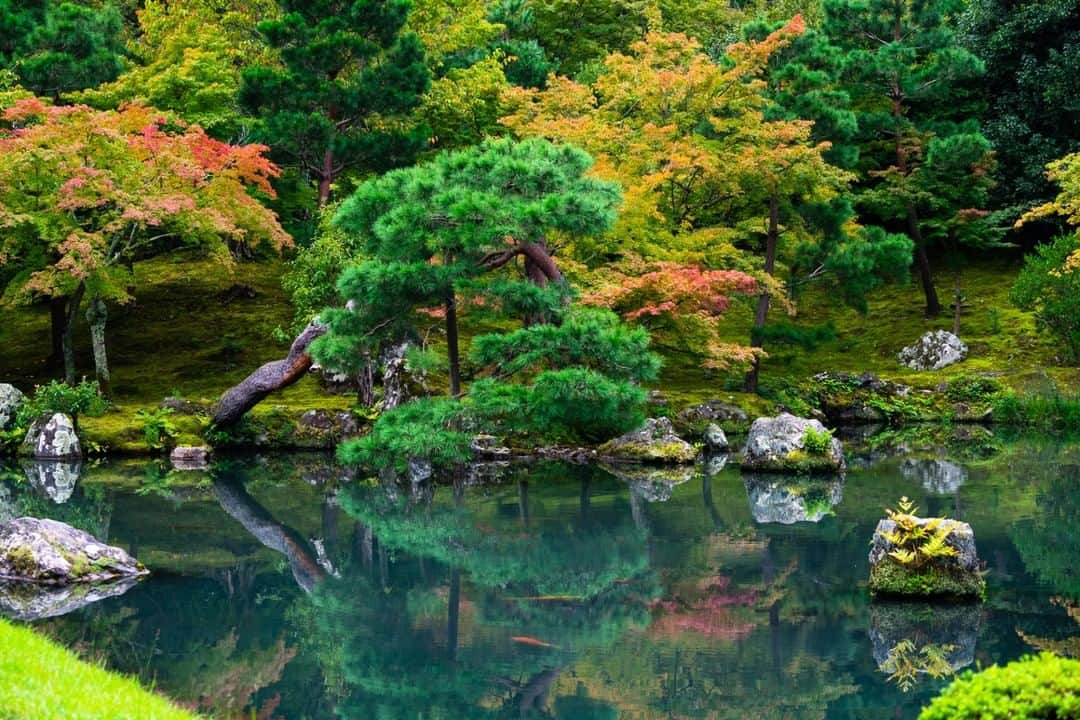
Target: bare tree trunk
(926, 277)
(68, 338)
(452, 346)
(326, 177)
(957, 297)
(365, 382)
(761, 313)
(58, 323)
(272, 376)
(97, 315)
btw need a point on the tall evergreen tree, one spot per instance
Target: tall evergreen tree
(347, 72)
(911, 82)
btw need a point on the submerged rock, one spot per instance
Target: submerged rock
(53, 439)
(778, 444)
(55, 479)
(715, 439)
(28, 602)
(185, 457)
(785, 501)
(51, 552)
(954, 576)
(936, 475)
(914, 640)
(933, 351)
(655, 441)
(10, 400)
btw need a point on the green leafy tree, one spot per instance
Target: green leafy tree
(347, 77)
(912, 85)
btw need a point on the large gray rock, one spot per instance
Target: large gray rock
(774, 500)
(10, 400)
(28, 602)
(654, 442)
(50, 552)
(777, 444)
(955, 576)
(55, 479)
(715, 439)
(693, 420)
(942, 477)
(52, 439)
(933, 351)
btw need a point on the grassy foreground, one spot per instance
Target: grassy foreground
(42, 681)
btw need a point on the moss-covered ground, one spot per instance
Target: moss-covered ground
(40, 680)
(195, 328)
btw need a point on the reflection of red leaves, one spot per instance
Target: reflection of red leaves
(711, 615)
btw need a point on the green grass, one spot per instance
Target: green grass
(41, 681)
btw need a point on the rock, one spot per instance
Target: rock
(933, 351)
(488, 448)
(28, 602)
(420, 470)
(54, 439)
(180, 406)
(715, 439)
(655, 441)
(956, 577)
(55, 479)
(51, 552)
(909, 637)
(715, 464)
(186, 457)
(693, 421)
(773, 500)
(776, 444)
(576, 455)
(937, 476)
(10, 400)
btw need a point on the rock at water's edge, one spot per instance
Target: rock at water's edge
(715, 439)
(776, 444)
(10, 400)
(46, 551)
(52, 439)
(655, 442)
(933, 351)
(185, 457)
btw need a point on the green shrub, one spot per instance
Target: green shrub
(1051, 288)
(1043, 687)
(1050, 412)
(972, 388)
(158, 429)
(817, 443)
(57, 397)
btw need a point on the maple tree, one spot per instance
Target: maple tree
(86, 193)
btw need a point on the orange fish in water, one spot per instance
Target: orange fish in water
(526, 640)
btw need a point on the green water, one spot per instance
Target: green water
(550, 590)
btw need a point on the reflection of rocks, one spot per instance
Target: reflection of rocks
(655, 441)
(186, 457)
(950, 630)
(53, 478)
(715, 464)
(956, 576)
(933, 351)
(10, 400)
(29, 601)
(791, 500)
(935, 475)
(8, 510)
(777, 444)
(52, 439)
(651, 484)
(47, 551)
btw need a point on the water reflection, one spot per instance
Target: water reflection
(554, 591)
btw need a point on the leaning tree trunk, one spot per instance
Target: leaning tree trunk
(272, 376)
(96, 316)
(68, 339)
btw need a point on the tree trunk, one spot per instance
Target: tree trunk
(58, 323)
(762, 311)
(97, 314)
(68, 340)
(926, 278)
(326, 177)
(956, 309)
(365, 383)
(452, 346)
(394, 376)
(272, 376)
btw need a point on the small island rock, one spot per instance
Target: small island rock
(954, 576)
(51, 552)
(10, 400)
(52, 439)
(933, 351)
(715, 439)
(777, 444)
(655, 442)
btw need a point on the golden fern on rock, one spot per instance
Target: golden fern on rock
(917, 542)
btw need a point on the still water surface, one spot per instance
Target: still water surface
(550, 590)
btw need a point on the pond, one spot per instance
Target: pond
(553, 590)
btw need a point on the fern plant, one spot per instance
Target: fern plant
(917, 543)
(906, 661)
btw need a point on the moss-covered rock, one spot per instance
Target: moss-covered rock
(922, 575)
(890, 579)
(787, 443)
(654, 442)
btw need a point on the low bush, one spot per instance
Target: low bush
(1045, 687)
(58, 397)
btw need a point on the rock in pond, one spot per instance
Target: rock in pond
(933, 351)
(778, 444)
(955, 576)
(10, 400)
(186, 457)
(54, 439)
(715, 439)
(785, 501)
(50, 552)
(693, 420)
(654, 442)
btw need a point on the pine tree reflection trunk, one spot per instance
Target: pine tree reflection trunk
(452, 613)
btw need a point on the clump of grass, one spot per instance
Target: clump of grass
(1052, 412)
(817, 443)
(44, 681)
